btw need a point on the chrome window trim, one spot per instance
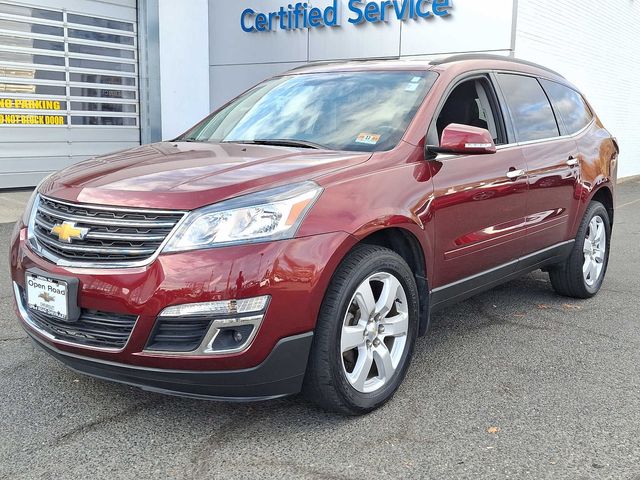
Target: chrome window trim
(550, 139)
(40, 250)
(531, 142)
(24, 314)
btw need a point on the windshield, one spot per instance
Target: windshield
(358, 111)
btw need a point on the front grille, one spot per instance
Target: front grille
(121, 235)
(93, 328)
(178, 334)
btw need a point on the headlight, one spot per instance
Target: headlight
(28, 214)
(273, 214)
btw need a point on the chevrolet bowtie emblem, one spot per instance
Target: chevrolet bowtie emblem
(46, 297)
(67, 231)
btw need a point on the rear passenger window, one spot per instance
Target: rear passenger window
(570, 105)
(530, 108)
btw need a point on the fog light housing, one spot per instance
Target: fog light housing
(227, 326)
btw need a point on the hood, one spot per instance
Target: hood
(184, 176)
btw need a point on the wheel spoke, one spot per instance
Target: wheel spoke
(387, 296)
(586, 267)
(364, 299)
(599, 256)
(352, 337)
(361, 371)
(599, 232)
(395, 326)
(587, 246)
(592, 230)
(593, 271)
(384, 363)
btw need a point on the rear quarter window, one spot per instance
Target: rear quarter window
(569, 105)
(530, 109)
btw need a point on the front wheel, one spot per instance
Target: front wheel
(582, 274)
(365, 333)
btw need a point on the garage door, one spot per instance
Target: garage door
(68, 85)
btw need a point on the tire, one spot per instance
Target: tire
(346, 338)
(568, 278)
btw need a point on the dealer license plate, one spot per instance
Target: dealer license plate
(47, 295)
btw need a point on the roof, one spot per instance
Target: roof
(403, 63)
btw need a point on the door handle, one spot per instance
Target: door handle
(514, 174)
(573, 162)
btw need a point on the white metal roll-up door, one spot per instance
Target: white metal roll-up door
(68, 84)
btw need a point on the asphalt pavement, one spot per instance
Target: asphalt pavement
(515, 383)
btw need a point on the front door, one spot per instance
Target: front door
(480, 200)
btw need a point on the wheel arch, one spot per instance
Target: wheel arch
(403, 242)
(604, 195)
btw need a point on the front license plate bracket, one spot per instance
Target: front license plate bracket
(73, 310)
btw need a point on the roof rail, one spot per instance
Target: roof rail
(488, 56)
(322, 63)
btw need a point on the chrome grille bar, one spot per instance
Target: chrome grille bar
(102, 221)
(125, 237)
(113, 236)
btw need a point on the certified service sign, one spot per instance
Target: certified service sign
(302, 15)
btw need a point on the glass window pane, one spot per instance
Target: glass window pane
(102, 93)
(30, 73)
(34, 59)
(30, 12)
(104, 107)
(97, 65)
(570, 105)
(530, 108)
(100, 22)
(11, 41)
(358, 111)
(104, 79)
(100, 37)
(115, 121)
(107, 52)
(32, 89)
(31, 28)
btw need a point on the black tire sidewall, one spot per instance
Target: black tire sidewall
(595, 209)
(389, 262)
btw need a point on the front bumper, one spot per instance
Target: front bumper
(279, 375)
(294, 273)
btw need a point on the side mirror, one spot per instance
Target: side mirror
(464, 140)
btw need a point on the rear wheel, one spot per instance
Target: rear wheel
(365, 332)
(582, 274)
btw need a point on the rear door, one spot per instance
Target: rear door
(550, 157)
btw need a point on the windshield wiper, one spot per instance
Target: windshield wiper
(280, 142)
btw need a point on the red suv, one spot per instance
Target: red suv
(299, 238)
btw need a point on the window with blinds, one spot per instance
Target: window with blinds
(61, 69)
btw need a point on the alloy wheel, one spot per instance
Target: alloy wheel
(594, 249)
(374, 332)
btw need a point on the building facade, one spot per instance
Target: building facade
(80, 78)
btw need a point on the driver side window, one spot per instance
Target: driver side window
(469, 104)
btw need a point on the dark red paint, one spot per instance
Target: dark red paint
(463, 211)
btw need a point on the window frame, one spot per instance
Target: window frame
(559, 116)
(513, 140)
(494, 101)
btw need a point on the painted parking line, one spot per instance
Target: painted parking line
(629, 203)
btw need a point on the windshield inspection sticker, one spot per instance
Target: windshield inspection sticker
(411, 87)
(368, 138)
